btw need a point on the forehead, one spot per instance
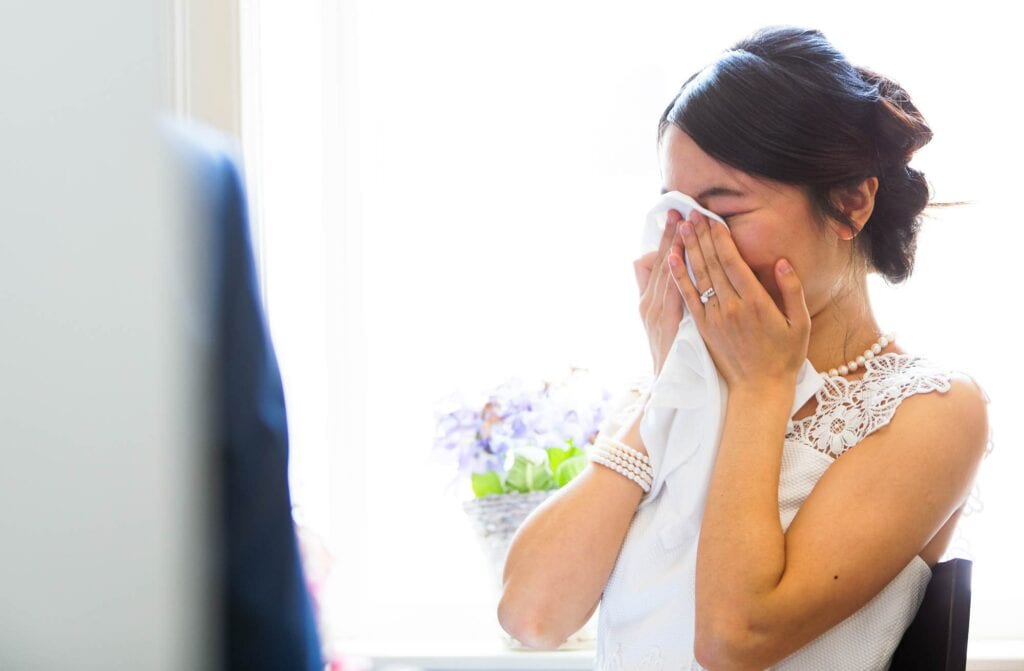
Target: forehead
(686, 167)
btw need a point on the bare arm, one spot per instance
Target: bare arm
(560, 558)
(763, 593)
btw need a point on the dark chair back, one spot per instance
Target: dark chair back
(937, 638)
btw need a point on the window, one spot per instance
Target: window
(450, 193)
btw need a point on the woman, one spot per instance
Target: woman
(810, 554)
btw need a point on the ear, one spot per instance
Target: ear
(857, 203)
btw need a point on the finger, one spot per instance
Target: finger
(713, 265)
(656, 281)
(691, 297)
(661, 266)
(678, 250)
(672, 218)
(675, 268)
(672, 301)
(736, 268)
(692, 249)
(792, 290)
(642, 269)
(657, 285)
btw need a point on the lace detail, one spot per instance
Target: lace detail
(849, 410)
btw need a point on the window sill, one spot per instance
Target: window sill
(476, 655)
(995, 655)
(461, 655)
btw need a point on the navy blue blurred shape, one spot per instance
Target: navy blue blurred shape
(268, 618)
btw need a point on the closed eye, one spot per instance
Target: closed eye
(729, 216)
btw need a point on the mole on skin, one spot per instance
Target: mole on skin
(835, 577)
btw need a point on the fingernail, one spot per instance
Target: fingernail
(673, 260)
(784, 267)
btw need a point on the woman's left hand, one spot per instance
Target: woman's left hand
(750, 340)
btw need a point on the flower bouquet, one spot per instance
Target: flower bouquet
(515, 447)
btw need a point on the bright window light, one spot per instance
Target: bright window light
(450, 194)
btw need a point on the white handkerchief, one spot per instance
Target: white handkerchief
(684, 415)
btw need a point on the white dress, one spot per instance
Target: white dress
(646, 615)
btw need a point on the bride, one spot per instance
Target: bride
(820, 528)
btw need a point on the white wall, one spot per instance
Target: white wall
(100, 564)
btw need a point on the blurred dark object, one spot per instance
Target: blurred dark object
(937, 638)
(268, 621)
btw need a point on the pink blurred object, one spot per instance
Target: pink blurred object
(317, 561)
(350, 663)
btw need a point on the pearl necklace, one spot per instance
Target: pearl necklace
(869, 353)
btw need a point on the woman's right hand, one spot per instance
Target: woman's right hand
(661, 304)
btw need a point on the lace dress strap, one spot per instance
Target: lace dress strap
(850, 410)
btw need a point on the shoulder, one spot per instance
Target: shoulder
(958, 414)
(907, 379)
(207, 164)
(921, 389)
(921, 425)
(928, 416)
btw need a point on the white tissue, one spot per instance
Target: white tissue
(684, 416)
(658, 216)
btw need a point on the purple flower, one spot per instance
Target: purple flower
(486, 433)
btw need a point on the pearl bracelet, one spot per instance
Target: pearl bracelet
(616, 448)
(623, 459)
(600, 459)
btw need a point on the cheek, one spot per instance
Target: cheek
(758, 249)
(761, 248)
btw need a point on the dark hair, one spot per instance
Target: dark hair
(784, 104)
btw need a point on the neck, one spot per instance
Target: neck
(842, 329)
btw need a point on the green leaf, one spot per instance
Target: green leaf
(569, 469)
(487, 483)
(557, 455)
(528, 476)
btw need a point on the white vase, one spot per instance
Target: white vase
(495, 519)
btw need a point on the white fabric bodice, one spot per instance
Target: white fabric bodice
(646, 615)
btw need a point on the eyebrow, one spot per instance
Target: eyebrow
(714, 191)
